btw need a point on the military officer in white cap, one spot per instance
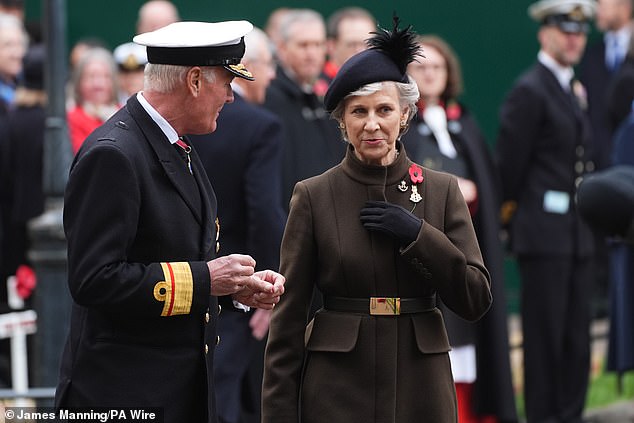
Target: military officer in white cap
(140, 219)
(131, 59)
(570, 16)
(544, 148)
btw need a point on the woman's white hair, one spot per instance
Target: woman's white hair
(95, 54)
(165, 78)
(408, 95)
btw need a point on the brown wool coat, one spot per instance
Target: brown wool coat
(362, 368)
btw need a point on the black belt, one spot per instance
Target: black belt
(381, 306)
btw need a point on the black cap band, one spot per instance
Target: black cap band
(566, 24)
(197, 56)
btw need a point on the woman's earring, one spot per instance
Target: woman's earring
(403, 124)
(342, 125)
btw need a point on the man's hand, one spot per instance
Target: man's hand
(259, 323)
(468, 189)
(265, 298)
(273, 278)
(232, 273)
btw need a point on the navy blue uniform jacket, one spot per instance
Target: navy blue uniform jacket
(598, 80)
(544, 144)
(140, 229)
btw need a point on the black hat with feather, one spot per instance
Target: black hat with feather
(386, 59)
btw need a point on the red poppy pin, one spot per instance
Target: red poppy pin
(415, 174)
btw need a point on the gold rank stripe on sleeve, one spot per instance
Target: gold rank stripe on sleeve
(177, 290)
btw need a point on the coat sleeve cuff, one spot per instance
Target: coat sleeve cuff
(179, 288)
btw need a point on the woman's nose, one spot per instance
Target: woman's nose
(371, 124)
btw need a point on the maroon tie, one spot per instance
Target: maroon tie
(186, 149)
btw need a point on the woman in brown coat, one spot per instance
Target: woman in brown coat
(379, 237)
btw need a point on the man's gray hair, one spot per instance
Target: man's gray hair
(253, 41)
(165, 78)
(298, 15)
(352, 13)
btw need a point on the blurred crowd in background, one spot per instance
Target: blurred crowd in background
(542, 140)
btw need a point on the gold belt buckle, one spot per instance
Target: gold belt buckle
(385, 306)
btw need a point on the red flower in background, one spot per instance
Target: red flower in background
(320, 87)
(453, 110)
(26, 281)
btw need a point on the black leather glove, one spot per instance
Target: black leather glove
(391, 219)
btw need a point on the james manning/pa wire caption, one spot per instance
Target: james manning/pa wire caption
(101, 415)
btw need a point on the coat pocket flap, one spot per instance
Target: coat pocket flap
(430, 332)
(334, 332)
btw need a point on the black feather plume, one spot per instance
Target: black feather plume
(399, 44)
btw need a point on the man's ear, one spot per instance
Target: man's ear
(194, 80)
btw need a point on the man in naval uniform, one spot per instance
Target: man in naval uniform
(140, 219)
(544, 149)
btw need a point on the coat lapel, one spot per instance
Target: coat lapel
(208, 198)
(566, 99)
(168, 157)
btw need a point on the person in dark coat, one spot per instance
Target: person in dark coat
(26, 122)
(311, 139)
(243, 160)
(13, 44)
(606, 201)
(544, 148)
(620, 93)
(600, 70)
(21, 193)
(446, 137)
(599, 67)
(140, 219)
(380, 237)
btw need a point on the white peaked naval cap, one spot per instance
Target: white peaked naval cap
(190, 43)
